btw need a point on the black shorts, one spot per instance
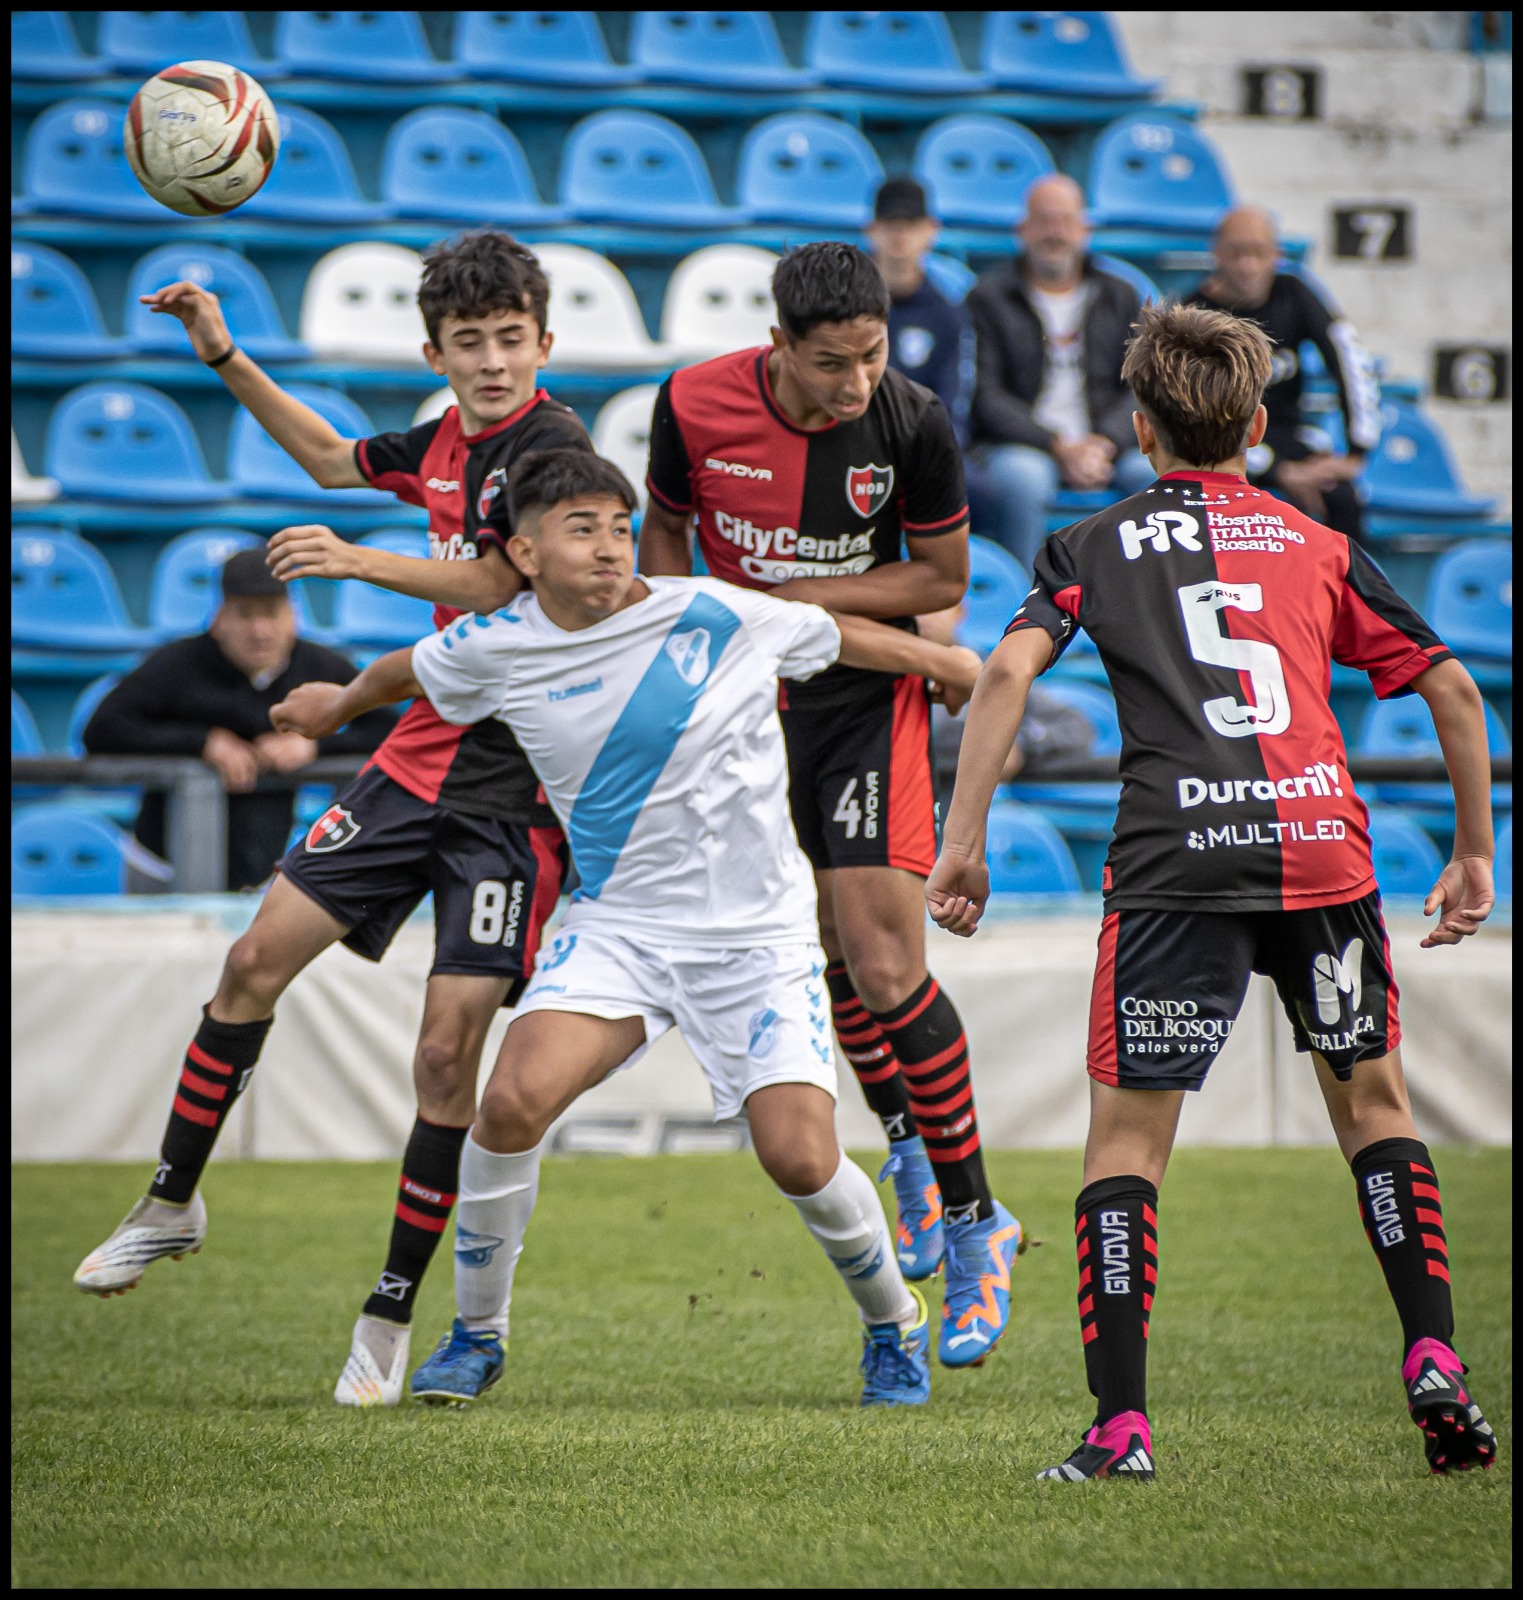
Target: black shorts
(377, 850)
(860, 779)
(1169, 986)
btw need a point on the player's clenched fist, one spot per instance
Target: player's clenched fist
(954, 689)
(957, 892)
(200, 311)
(311, 709)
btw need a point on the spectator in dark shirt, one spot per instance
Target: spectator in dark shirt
(1295, 461)
(210, 696)
(1049, 407)
(929, 336)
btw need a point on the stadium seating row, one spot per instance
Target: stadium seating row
(1148, 170)
(1070, 53)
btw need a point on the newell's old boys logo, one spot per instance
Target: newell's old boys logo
(868, 489)
(333, 829)
(490, 489)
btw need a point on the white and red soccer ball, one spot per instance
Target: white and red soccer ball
(201, 137)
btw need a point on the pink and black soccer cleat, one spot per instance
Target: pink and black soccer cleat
(1120, 1448)
(1456, 1437)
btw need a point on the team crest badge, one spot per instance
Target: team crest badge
(868, 489)
(333, 829)
(490, 489)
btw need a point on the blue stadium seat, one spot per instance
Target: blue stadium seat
(25, 739)
(728, 49)
(564, 47)
(84, 708)
(901, 50)
(1502, 867)
(73, 161)
(64, 595)
(125, 441)
(1406, 860)
(633, 166)
(460, 165)
(1098, 704)
(43, 46)
(805, 168)
(61, 850)
(954, 278)
(184, 589)
(148, 41)
(1412, 471)
(247, 303)
(314, 179)
(977, 169)
(1403, 727)
(1470, 599)
(53, 309)
(1026, 854)
(1060, 52)
(364, 616)
(1155, 171)
(1147, 290)
(376, 46)
(997, 584)
(261, 470)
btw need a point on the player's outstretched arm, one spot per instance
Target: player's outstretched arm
(1464, 893)
(950, 668)
(664, 548)
(310, 440)
(934, 578)
(958, 887)
(315, 551)
(319, 709)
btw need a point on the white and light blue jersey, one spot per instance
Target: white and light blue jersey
(655, 734)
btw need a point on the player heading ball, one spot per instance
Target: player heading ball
(1240, 847)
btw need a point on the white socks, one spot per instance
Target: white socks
(496, 1200)
(846, 1216)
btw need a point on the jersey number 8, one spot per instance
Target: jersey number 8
(1202, 605)
(495, 913)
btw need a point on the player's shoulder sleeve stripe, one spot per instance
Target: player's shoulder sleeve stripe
(923, 530)
(671, 505)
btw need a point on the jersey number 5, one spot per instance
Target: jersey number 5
(1202, 605)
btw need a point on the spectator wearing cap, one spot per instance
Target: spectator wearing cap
(1049, 408)
(210, 696)
(929, 336)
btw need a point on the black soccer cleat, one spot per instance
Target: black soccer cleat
(1456, 1437)
(1121, 1448)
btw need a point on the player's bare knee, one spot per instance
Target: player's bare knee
(512, 1118)
(446, 1063)
(252, 972)
(801, 1172)
(886, 978)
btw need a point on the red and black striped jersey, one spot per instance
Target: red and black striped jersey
(460, 479)
(1218, 611)
(776, 501)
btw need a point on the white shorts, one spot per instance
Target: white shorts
(751, 1017)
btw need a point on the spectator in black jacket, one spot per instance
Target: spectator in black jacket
(929, 336)
(210, 696)
(1049, 407)
(1295, 461)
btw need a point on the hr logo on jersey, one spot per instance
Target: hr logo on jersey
(690, 655)
(490, 489)
(868, 488)
(333, 829)
(1159, 528)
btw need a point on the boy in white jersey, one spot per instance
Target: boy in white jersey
(648, 708)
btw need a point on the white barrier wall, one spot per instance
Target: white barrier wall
(103, 1004)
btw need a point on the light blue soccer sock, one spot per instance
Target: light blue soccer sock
(847, 1218)
(497, 1195)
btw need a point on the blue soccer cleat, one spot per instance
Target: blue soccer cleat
(463, 1367)
(896, 1362)
(919, 1240)
(976, 1309)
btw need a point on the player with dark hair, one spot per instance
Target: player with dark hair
(1240, 847)
(809, 467)
(456, 811)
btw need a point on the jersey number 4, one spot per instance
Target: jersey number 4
(1202, 605)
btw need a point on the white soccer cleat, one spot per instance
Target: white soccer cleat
(148, 1233)
(364, 1382)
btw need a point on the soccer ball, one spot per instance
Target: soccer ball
(201, 137)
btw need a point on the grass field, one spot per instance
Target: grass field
(680, 1401)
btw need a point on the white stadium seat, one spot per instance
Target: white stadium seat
(361, 303)
(434, 406)
(621, 433)
(25, 489)
(720, 299)
(593, 313)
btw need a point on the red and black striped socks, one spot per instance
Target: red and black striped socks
(927, 1039)
(218, 1066)
(872, 1057)
(1404, 1221)
(425, 1194)
(1116, 1221)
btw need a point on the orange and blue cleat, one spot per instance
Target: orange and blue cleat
(919, 1239)
(976, 1309)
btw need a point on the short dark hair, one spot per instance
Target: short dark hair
(480, 272)
(827, 282)
(1199, 376)
(545, 478)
